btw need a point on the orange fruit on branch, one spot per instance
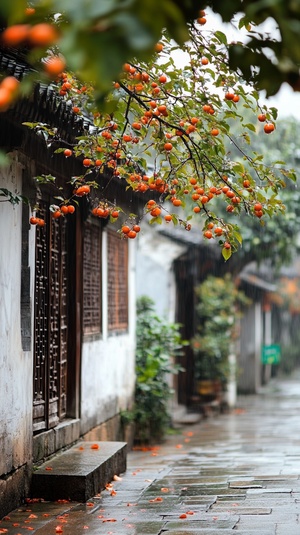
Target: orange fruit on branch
(162, 79)
(56, 214)
(82, 190)
(269, 127)
(43, 34)
(168, 146)
(29, 11)
(261, 117)
(54, 66)
(208, 234)
(10, 83)
(218, 231)
(158, 47)
(15, 35)
(155, 212)
(131, 234)
(5, 98)
(114, 214)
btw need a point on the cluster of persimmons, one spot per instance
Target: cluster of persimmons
(165, 136)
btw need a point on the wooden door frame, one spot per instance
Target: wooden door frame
(74, 321)
(75, 318)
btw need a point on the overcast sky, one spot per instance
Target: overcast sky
(286, 101)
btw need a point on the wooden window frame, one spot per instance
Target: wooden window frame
(92, 279)
(117, 283)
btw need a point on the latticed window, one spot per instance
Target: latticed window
(117, 282)
(92, 279)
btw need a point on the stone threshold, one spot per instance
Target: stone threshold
(79, 473)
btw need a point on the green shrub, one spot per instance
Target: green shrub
(217, 314)
(158, 343)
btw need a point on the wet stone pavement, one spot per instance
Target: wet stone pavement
(237, 472)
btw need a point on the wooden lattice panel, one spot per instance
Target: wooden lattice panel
(50, 325)
(63, 324)
(117, 282)
(92, 279)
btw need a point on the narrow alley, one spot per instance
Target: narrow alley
(237, 472)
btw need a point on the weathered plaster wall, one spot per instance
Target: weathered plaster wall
(108, 362)
(155, 277)
(15, 364)
(249, 365)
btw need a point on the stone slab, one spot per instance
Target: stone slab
(80, 472)
(242, 510)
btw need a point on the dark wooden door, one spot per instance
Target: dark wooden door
(50, 323)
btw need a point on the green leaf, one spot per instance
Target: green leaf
(226, 253)
(274, 112)
(78, 11)
(292, 176)
(13, 198)
(31, 125)
(4, 159)
(221, 37)
(13, 11)
(45, 179)
(250, 126)
(156, 220)
(237, 236)
(238, 168)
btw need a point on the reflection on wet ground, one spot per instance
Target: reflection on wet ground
(236, 472)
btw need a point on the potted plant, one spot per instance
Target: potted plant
(218, 311)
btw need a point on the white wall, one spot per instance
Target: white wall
(108, 364)
(155, 277)
(249, 364)
(15, 365)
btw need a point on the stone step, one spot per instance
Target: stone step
(79, 473)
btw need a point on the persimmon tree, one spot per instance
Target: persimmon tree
(162, 128)
(278, 239)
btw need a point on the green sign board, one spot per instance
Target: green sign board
(271, 354)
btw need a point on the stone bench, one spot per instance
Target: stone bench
(80, 472)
